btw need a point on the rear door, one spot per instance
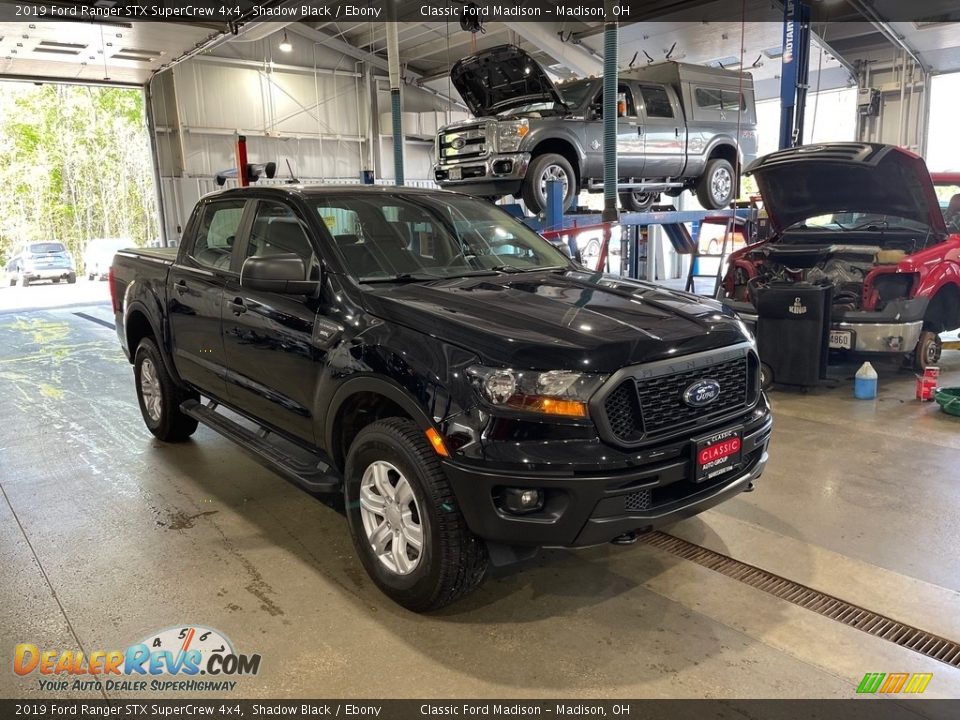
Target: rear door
(664, 132)
(273, 363)
(195, 295)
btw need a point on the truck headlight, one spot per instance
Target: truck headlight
(555, 392)
(510, 134)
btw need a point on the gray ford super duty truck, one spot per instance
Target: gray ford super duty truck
(679, 127)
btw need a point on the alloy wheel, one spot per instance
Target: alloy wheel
(150, 389)
(391, 517)
(721, 183)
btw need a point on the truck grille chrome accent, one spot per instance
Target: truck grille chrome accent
(466, 143)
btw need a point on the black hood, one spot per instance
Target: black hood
(502, 78)
(559, 321)
(811, 180)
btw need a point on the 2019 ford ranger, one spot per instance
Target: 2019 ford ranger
(865, 219)
(679, 127)
(472, 392)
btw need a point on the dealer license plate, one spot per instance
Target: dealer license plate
(718, 454)
(456, 173)
(841, 340)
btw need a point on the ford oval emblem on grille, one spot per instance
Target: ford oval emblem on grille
(701, 393)
(458, 143)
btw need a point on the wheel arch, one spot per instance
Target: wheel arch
(564, 147)
(138, 324)
(943, 311)
(360, 402)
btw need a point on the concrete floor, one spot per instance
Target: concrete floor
(107, 535)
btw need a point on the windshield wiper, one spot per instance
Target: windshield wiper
(506, 268)
(400, 277)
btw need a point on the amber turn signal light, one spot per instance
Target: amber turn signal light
(436, 442)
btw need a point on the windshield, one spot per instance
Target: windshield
(576, 92)
(846, 221)
(46, 248)
(426, 237)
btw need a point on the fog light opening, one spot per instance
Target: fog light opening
(502, 167)
(520, 501)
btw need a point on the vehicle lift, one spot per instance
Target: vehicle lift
(555, 224)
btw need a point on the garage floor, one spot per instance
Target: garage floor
(107, 535)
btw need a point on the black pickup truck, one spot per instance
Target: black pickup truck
(472, 392)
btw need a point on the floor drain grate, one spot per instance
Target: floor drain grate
(920, 641)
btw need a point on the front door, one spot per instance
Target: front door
(665, 134)
(195, 296)
(273, 361)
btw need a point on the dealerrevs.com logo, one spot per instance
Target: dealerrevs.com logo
(188, 659)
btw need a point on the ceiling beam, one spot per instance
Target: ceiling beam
(577, 57)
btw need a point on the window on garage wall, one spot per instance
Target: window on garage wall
(943, 146)
(831, 117)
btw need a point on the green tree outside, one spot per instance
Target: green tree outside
(75, 165)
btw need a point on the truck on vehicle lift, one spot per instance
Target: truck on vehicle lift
(864, 218)
(472, 392)
(679, 127)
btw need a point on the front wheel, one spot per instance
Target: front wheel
(404, 519)
(72, 278)
(638, 201)
(543, 169)
(928, 350)
(718, 184)
(160, 397)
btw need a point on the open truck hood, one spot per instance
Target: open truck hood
(804, 182)
(502, 78)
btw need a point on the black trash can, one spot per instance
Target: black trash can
(793, 324)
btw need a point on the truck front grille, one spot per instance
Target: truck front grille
(466, 143)
(638, 409)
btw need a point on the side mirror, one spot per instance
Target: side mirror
(282, 273)
(595, 113)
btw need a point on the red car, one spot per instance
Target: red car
(866, 219)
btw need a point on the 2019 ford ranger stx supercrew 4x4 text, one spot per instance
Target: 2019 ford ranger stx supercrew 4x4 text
(472, 392)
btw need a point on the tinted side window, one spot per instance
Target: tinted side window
(277, 230)
(216, 234)
(657, 102)
(717, 100)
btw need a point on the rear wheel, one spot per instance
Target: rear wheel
(25, 282)
(717, 185)
(160, 397)
(55, 280)
(404, 519)
(72, 278)
(638, 201)
(542, 169)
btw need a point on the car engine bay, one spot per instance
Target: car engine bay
(843, 262)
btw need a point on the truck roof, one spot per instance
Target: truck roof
(312, 191)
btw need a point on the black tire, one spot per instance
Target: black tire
(766, 376)
(55, 281)
(534, 194)
(167, 422)
(638, 201)
(452, 560)
(91, 276)
(25, 282)
(928, 350)
(72, 278)
(13, 281)
(718, 184)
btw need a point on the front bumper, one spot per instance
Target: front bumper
(866, 337)
(589, 509)
(496, 174)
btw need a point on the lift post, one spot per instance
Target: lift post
(795, 73)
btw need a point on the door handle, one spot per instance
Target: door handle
(640, 131)
(676, 133)
(237, 307)
(180, 286)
